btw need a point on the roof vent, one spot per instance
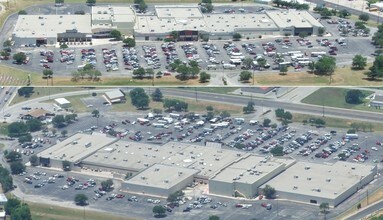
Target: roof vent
(295, 177)
(295, 187)
(328, 180)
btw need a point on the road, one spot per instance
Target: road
(236, 100)
(294, 107)
(365, 212)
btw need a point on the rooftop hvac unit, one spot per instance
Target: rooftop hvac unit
(309, 178)
(180, 173)
(146, 164)
(295, 177)
(143, 177)
(307, 167)
(166, 181)
(295, 187)
(157, 169)
(328, 180)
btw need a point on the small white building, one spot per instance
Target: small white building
(377, 101)
(63, 102)
(115, 96)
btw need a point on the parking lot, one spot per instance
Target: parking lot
(113, 59)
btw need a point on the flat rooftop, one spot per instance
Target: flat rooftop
(236, 22)
(252, 168)
(77, 147)
(207, 160)
(113, 13)
(293, 18)
(132, 155)
(332, 180)
(162, 176)
(44, 26)
(178, 11)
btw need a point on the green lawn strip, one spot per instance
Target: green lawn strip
(77, 105)
(3, 128)
(45, 91)
(337, 122)
(194, 106)
(335, 97)
(48, 212)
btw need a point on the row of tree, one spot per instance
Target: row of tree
(17, 210)
(87, 71)
(291, 4)
(18, 129)
(6, 180)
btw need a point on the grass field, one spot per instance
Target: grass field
(77, 105)
(194, 106)
(338, 122)
(45, 91)
(3, 129)
(50, 212)
(335, 97)
(343, 76)
(1, 148)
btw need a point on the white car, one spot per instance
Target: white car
(285, 47)
(374, 148)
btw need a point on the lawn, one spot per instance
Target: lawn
(337, 122)
(1, 146)
(194, 106)
(343, 76)
(4, 129)
(50, 212)
(77, 105)
(120, 81)
(335, 97)
(45, 91)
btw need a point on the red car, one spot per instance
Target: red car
(120, 196)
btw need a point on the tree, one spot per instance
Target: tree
(248, 62)
(139, 73)
(7, 43)
(209, 108)
(22, 12)
(64, 133)
(11, 205)
(364, 17)
(325, 65)
(225, 114)
(34, 160)
(159, 211)
(6, 180)
(344, 13)
(81, 199)
(283, 70)
(95, 113)
(213, 217)
(91, 2)
(58, 121)
(204, 77)
(34, 125)
(157, 95)
(266, 122)
(13, 156)
(116, 34)
(139, 98)
(66, 165)
(269, 192)
(107, 185)
(16, 129)
(22, 212)
(324, 207)
(321, 31)
(59, 1)
(175, 196)
(303, 34)
(130, 42)
(174, 104)
(248, 108)
(17, 167)
(149, 72)
(63, 46)
(354, 96)
(376, 70)
(19, 57)
(237, 36)
(25, 138)
(245, 76)
(359, 25)
(262, 62)
(25, 91)
(174, 35)
(359, 62)
(325, 13)
(277, 151)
